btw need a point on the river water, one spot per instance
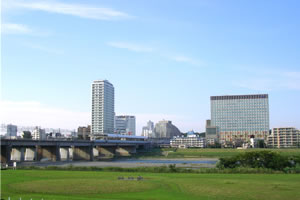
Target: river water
(167, 161)
(126, 163)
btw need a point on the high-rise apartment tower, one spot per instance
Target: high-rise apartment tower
(103, 107)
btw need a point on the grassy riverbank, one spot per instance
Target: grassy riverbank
(48, 184)
(206, 153)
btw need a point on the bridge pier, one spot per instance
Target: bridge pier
(5, 153)
(64, 153)
(46, 152)
(83, 153)
(57, 153)
(125, 150)
(95, 152)
(70, 149)
(29, 154)
(106, 152)
(42, 150)
(17, 154)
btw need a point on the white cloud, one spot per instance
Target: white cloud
(266, 84)
(9, 28)
(22, 29)
(130, 46)
(185, 59)
(292, 74)
(143, 48)
(269, 79)
(31, 113)
(44, 49)
(256, 84)
(78, 10)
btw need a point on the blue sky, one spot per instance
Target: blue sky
(165, 58)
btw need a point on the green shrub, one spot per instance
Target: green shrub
(258, 159)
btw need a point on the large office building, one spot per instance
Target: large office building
(125, 124)
(103, 107)
(284, 138)
(240, 117)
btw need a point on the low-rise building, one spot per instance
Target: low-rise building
(39, 134)
(288, 137)
(125, 124)
(84, 132)
(211, 134)
(191, 140)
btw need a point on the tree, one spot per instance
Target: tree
(26, 135)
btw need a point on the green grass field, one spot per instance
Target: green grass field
(208, 152)
(46, 184)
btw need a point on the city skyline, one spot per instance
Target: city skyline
(164, 63)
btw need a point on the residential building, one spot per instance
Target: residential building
(84, 132)
(125, 124)
(284, 138)
(103, 107)
(148, 131)
(11, 131)
(211, 133)
(39, 134)
(191, 140)
(240, 117)
(165, 129)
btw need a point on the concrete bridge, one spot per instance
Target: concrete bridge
(67, 150)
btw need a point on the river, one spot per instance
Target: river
(186, 163)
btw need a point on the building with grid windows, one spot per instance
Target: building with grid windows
(103, 107)
(240, 117)
(191, 140)
(125, 124)
(284, 138)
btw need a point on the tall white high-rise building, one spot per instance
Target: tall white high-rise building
(103, 107)
(125, 124)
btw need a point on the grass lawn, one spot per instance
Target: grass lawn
(46, 184)
(208, 152)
